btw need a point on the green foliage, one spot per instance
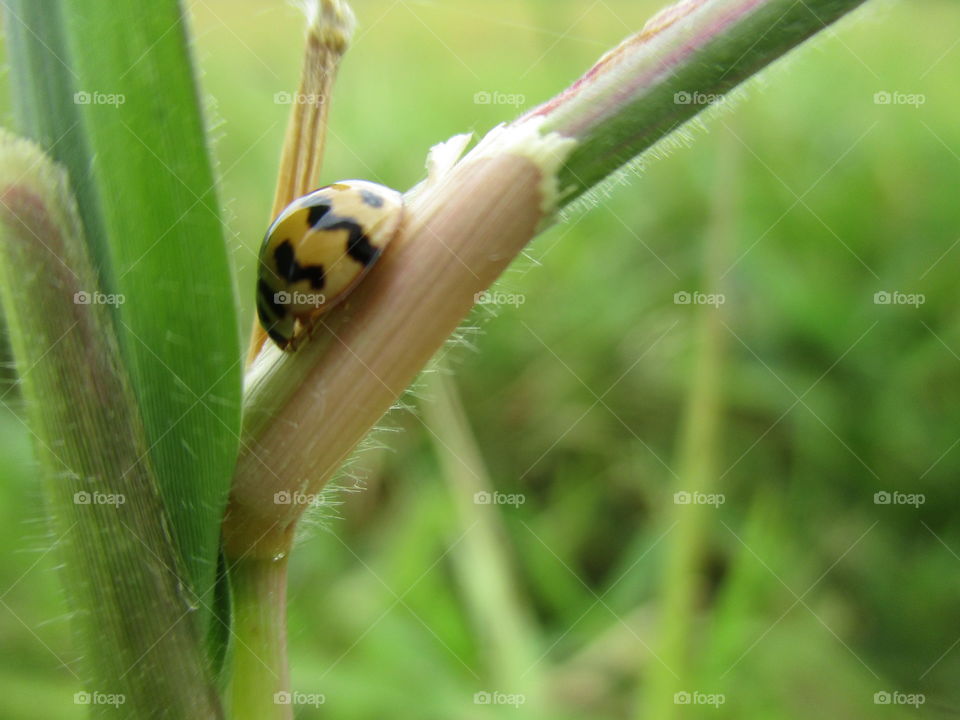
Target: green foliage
(379, 621)
(110, 90)
(121, 572)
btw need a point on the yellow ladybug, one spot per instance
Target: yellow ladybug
(317, 250)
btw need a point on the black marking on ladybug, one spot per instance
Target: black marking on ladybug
(358, 244)
(313, 273)
(277, 336)
(292, 271)
(267, 302)
(265, 319)
(360, 249)
(371, 199)
(283, 257)
(316, 213)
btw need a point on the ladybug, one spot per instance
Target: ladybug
(316, 252)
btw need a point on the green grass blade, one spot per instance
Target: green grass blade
(143, 652)
(684, 60)
(44, 110)
(120, 75)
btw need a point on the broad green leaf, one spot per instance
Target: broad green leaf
(110, 88)
(44, 105)
(143, 651)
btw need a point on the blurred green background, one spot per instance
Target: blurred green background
(799, 593)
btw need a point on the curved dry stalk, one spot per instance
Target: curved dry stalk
(458, 235)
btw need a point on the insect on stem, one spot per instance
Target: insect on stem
(330, 26)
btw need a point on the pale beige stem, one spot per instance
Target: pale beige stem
(307, 411)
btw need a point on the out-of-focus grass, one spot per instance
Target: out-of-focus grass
(841, 198)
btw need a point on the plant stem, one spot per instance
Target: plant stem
(482, 558)
(699, 446)
(683, 61)
(261, 678)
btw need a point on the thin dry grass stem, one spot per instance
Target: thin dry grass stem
(328, 35)
(482, 560)
(684, 584)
